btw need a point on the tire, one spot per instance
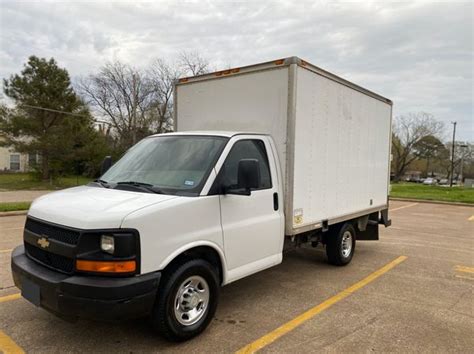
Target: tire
(340, 245)
(181, 310)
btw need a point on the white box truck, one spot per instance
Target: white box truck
(267, 156)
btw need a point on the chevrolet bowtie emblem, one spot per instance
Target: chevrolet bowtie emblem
(43, 242)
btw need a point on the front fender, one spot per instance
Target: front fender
(195, 244)
(167, 229)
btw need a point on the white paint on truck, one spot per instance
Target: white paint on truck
(332, 137)
(342, 147)
(256, 102)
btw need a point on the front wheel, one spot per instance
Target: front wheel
(187, 300)
(340, 245)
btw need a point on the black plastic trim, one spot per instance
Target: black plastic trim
(89, 245)
(86, 296)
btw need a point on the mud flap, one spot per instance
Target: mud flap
(368, 228)
(384, 218)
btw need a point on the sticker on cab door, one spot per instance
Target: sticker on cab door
(297, 216)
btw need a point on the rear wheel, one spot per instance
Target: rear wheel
(187, 300)
(340, 245)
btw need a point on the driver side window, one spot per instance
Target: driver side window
(246, 149)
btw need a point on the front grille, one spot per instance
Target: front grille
(60, 263)
(52, 231)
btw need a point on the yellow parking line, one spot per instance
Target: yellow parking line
(305, 316)
(10, 297)
(463, 277)
(464, 269)
(5, 251)
(403, 207)
(471, 218)
(8, 346)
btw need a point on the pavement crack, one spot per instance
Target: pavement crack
(451, 308)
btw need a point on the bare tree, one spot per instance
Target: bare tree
(463, 155)
(138, 103)
(162, 77)
(408, 131)
(124, 95)
(192, 64)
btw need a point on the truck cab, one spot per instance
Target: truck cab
(175, 218)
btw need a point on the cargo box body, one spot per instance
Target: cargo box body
(333, 137)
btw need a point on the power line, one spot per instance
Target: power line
(64, 112)
(54, 110)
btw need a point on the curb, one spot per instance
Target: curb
(432, 202)
(13, 213)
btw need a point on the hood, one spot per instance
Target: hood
(92, 207)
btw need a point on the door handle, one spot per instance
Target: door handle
(275, 201)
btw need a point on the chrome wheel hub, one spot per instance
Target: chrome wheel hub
(191, 300)
(346, 244)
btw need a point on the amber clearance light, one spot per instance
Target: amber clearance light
(106, 267)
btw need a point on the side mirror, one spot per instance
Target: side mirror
(106, 163)
(248, 177)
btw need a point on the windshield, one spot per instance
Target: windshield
(176, 163)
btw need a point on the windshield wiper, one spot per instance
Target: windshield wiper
(103, 183)
(141, 185)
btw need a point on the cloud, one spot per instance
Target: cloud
(418, 54)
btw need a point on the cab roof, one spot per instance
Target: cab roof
(224, 133)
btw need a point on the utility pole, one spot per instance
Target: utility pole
(452, 155)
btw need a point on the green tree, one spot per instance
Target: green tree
(429, 148)
(48, 118)
(408, 130)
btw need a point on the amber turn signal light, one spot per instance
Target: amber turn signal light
(106, 266)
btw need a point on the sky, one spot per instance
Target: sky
(418, 54)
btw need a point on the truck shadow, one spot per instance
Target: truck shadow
(244, 307)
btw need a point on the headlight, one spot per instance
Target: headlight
(107, 244)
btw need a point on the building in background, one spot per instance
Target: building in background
(12, 161)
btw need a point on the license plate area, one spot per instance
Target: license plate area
(30, 291)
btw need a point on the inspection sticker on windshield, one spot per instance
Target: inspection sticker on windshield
(189, 183)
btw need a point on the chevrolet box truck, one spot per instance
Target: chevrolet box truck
(263, 157)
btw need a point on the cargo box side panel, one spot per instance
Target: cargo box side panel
(342, 141)
(254, 102)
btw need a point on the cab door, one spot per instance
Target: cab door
(252, 225)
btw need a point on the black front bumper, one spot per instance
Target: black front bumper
(91, 297)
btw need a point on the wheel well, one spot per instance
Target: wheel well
(202, 252)
(334, 229)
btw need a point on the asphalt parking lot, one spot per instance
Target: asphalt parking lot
(423, 303)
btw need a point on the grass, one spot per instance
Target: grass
(438, 193)
(14, 206)
(27, 181)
